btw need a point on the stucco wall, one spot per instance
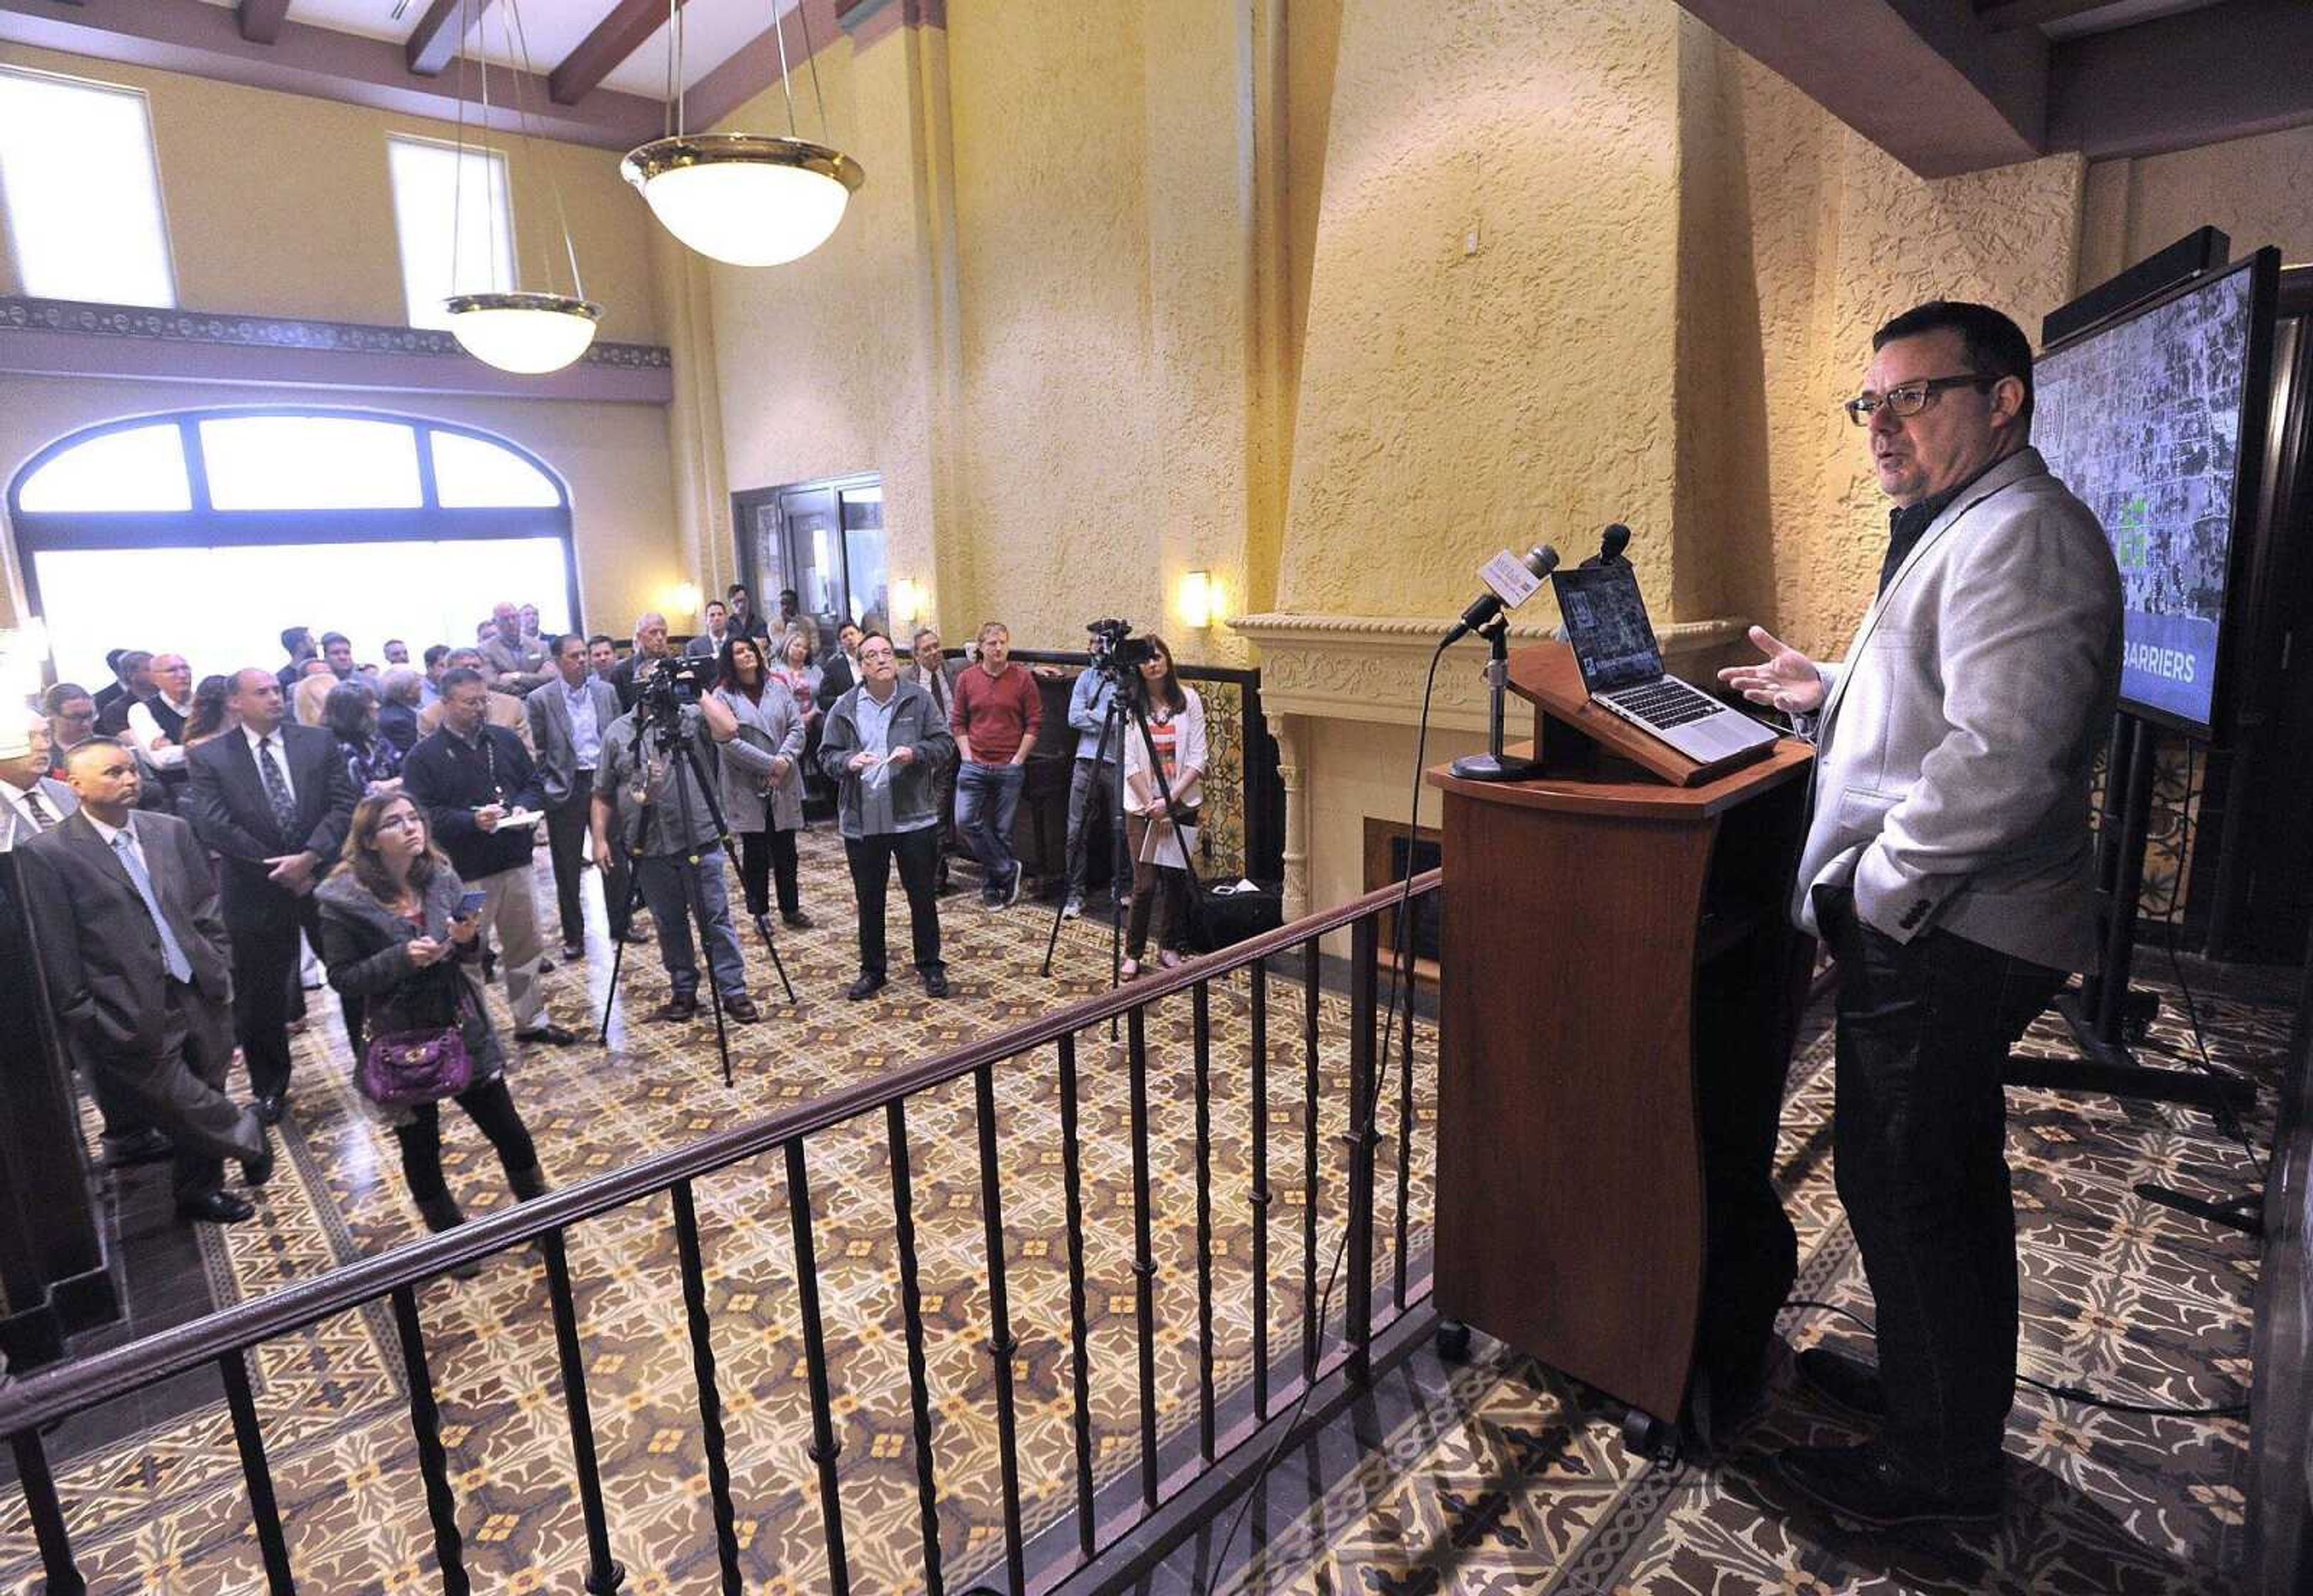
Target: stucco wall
(2259, 190)
(613, 458)
(280, 205)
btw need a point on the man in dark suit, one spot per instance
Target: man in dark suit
(840, 672)
(31, 801)
(274, 799)
(138, 971)
(567, 718)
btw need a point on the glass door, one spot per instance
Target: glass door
(825, 540)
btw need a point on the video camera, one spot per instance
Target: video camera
(666, 686)
(1116, 652)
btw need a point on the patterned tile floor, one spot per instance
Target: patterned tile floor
(1500, 1476)
(165, 1510)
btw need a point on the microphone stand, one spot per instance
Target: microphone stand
(1494, 765)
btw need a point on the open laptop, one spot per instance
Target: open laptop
(1615, 644)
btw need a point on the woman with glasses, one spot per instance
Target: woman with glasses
(1152, 827)
(72, 720)
(762, 778)
(394, 938)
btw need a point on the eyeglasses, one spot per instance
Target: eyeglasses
(1908, 398)
(80, 716)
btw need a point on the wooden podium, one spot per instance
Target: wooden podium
(1620, 981)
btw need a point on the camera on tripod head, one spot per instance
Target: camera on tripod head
(666, 686)
(1116, 652)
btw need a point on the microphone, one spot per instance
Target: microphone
(1616, 539)
(1540, 561)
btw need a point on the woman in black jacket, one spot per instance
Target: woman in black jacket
(391, 935)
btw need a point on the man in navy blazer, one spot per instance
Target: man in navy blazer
(278, 826)
(1947, 865)
(137, 970)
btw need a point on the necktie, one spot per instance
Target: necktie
(276, 790)
(173, 955)
(41, 818)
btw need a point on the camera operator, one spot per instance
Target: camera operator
(884, 743)
(644, 786)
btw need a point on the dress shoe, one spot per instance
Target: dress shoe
(146, 1146)
(936, 983)
(552, 1035)
(799, 920)
(1862, 1485)
(217, 1207)
(866, 987)
(572, 953)
(675, 1011)
(1844, 1381)
(258, 1170)
(271, 1107)
(741, 1008)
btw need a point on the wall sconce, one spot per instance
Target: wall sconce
(908, 602)
(682, 597)
(1200, 601)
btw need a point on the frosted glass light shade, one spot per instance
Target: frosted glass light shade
(529, 334)
(744, 199)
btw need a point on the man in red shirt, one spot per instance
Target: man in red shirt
(996, 714)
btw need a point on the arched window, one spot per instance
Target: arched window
(207, 533)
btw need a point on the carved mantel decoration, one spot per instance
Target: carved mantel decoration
(1370, 668)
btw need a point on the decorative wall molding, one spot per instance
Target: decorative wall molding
(1371, 668)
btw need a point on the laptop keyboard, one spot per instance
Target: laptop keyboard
(1666, 704)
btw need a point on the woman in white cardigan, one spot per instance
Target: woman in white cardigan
(1160, 890)
(762, 778)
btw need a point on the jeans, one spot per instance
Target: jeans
(1919, 1137)
(986, 797)
(763, 855)
(1092, 790)
(666, 881)
(491, 1106)
(871, 857)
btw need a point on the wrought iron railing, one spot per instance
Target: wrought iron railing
(1110, 1531)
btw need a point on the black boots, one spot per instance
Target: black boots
(528, 1183)
(443, 1214)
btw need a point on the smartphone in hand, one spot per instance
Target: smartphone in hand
(471, 904)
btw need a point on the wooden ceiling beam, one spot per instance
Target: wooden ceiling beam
(434, 42)
(2005, 17)
(203, 40)
(602, 52)
(2178, 82)
(260, 19)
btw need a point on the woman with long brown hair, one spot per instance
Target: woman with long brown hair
(762, 778)
(393, 935)
(1153, 829)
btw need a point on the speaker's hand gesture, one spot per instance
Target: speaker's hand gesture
(1786, 679)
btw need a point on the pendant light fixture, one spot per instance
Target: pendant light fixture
(744, 198)
(528, 332)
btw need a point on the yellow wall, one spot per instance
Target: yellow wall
(281, 205)
(613, 456)
(2258, 190)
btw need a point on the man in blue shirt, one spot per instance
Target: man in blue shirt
(1092, 786)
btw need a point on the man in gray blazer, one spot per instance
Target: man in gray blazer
(1947, 865)
(31, 801)
(567, 718)
(139, 971)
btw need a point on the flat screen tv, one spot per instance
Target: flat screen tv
(2156, 420)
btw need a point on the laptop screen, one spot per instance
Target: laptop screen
(1606, 625)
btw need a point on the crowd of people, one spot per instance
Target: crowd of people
(192, 844)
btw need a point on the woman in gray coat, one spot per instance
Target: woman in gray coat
(762, 778)
(392, 936)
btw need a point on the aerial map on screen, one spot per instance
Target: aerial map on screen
(2143, 421)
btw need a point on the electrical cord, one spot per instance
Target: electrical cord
(2068, 1393)
(1401, 979)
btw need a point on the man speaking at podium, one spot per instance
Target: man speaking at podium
(1947, 865)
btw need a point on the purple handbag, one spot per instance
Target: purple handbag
(409, 1068)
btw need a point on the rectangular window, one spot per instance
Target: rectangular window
(82, 192)
(447, 200)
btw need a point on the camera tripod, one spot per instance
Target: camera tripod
(670, 742)
(1128, 706)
